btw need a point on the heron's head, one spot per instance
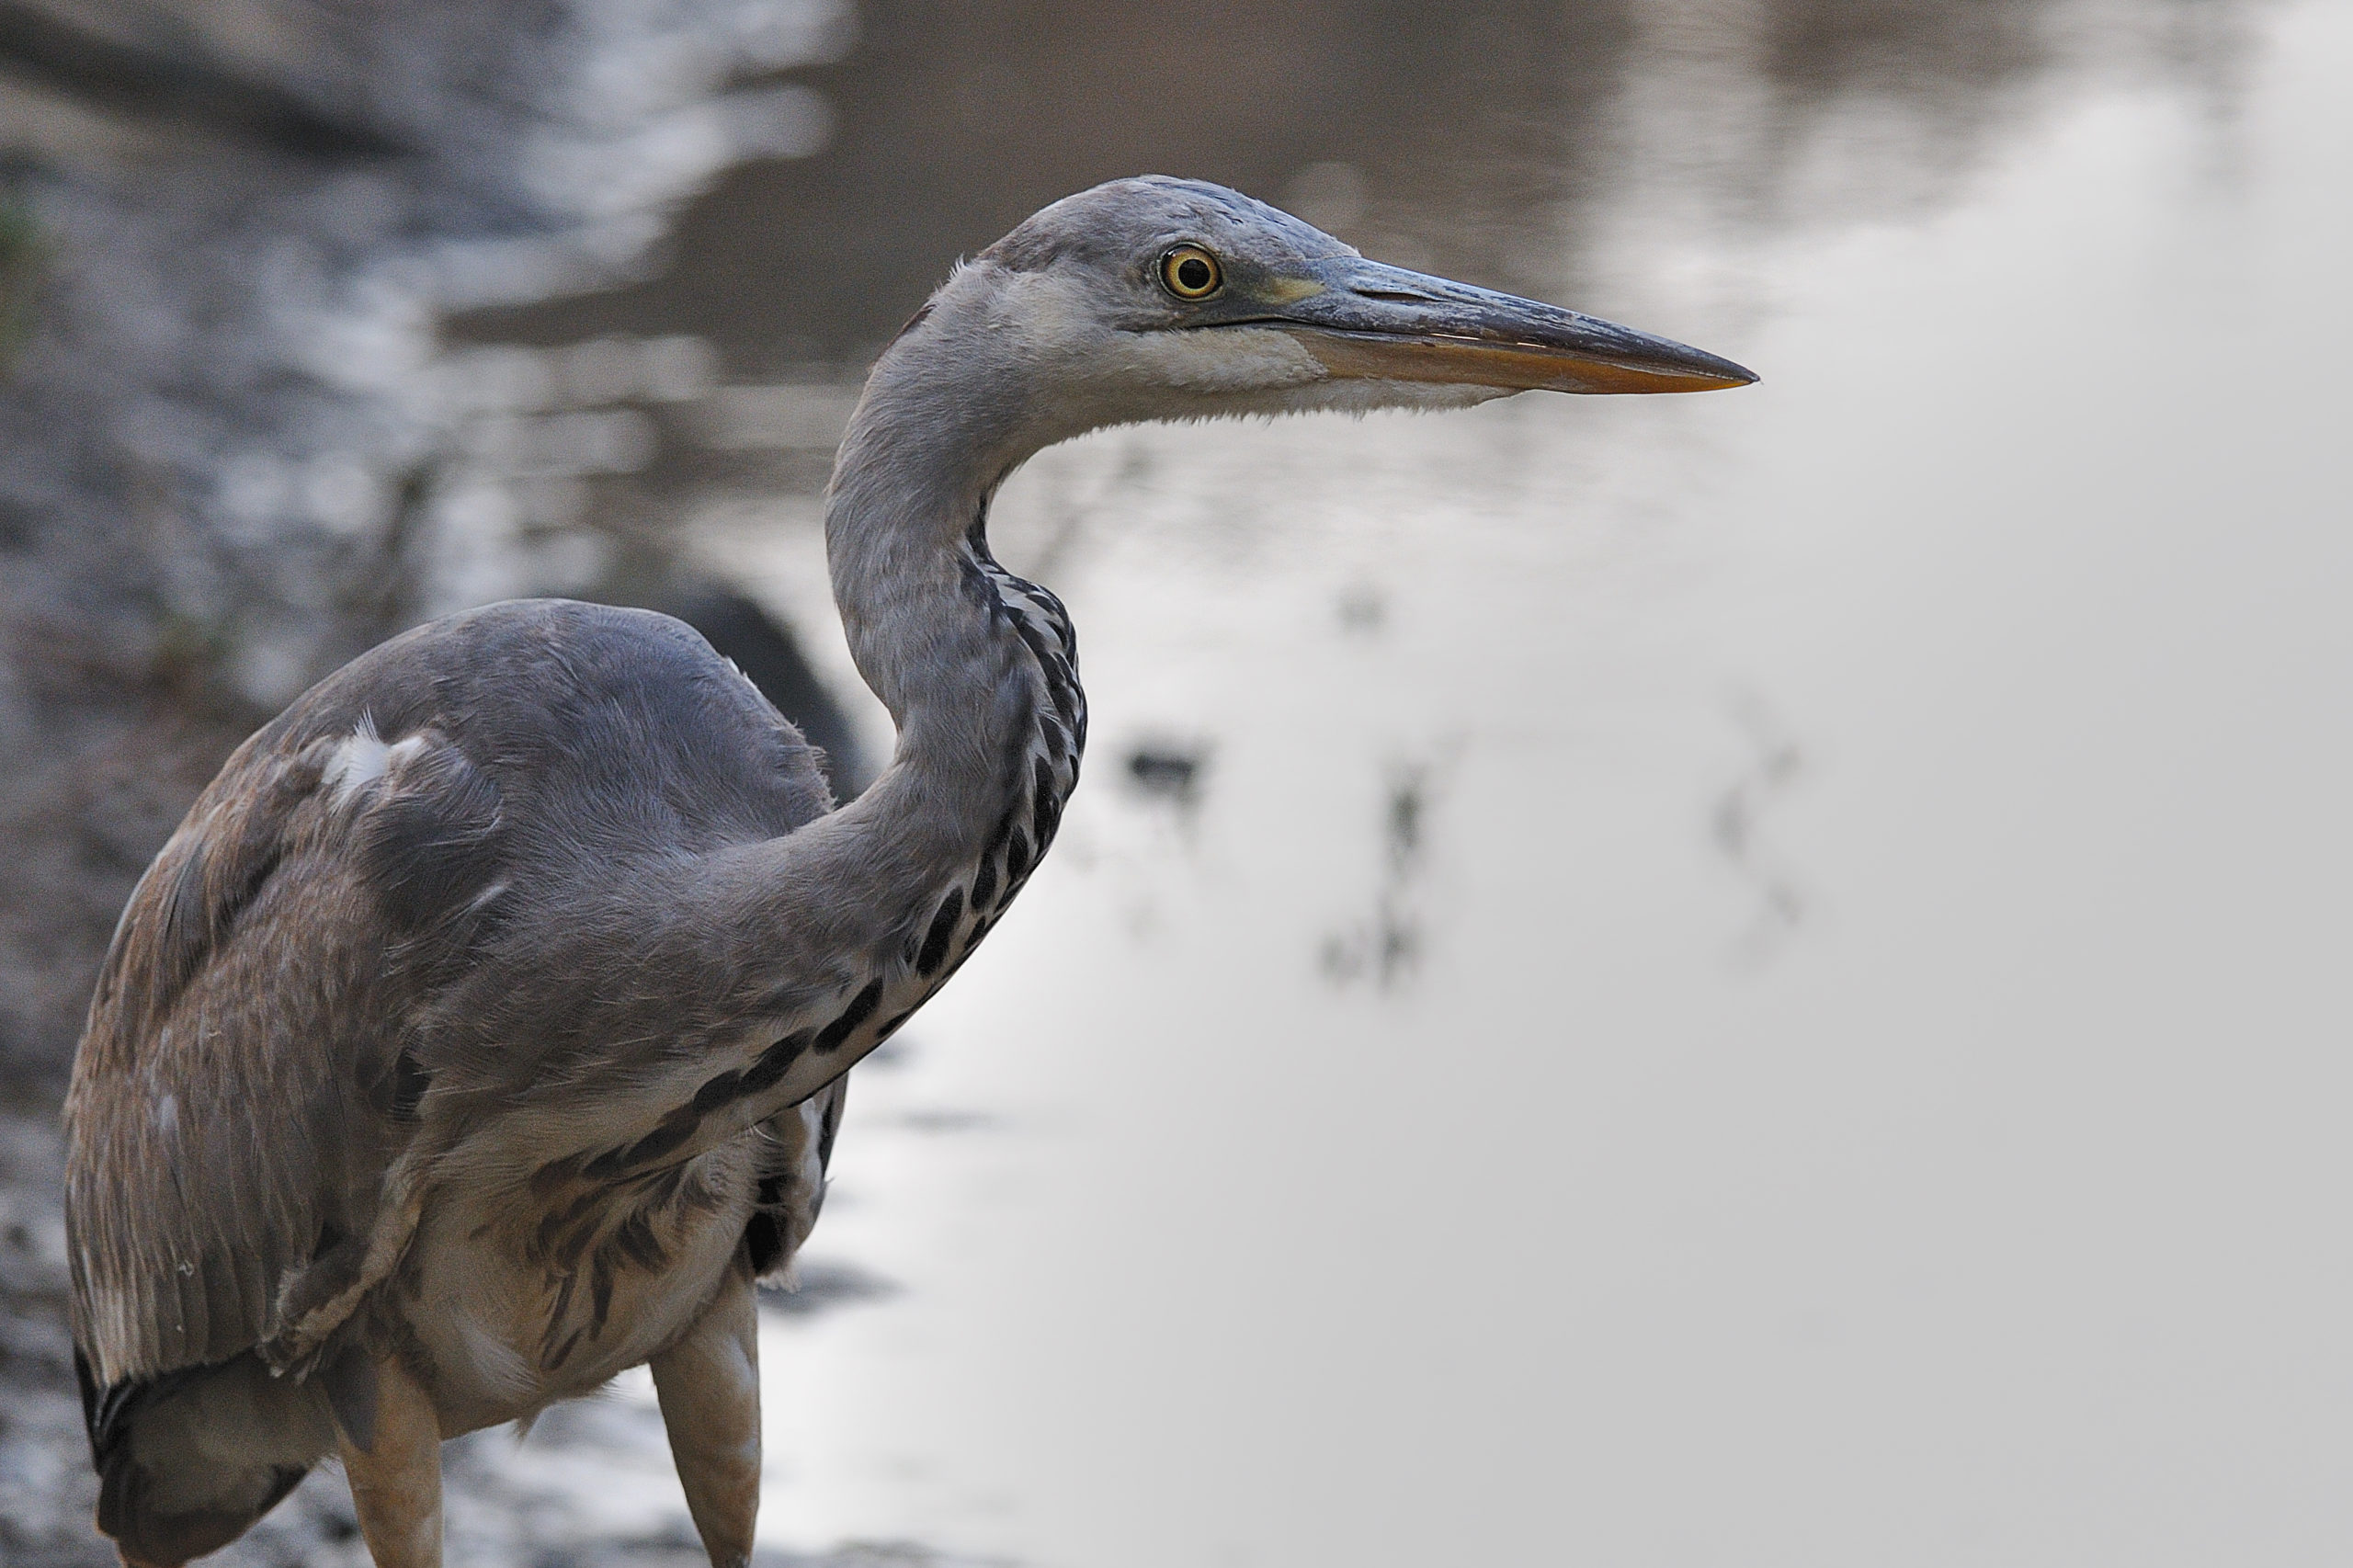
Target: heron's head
(1167, 299)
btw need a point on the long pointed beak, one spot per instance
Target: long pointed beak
(1362, 319)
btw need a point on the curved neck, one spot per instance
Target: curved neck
(833, 935)
(979, 670)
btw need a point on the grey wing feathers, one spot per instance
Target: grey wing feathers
(254, 1091)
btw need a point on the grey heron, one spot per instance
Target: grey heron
(481, 1032)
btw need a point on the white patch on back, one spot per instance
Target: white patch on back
(363, 758)
(358, 761)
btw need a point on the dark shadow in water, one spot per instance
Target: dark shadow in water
(822, 1284)
(1736, 827)
(1168, 770)
(1387, 948)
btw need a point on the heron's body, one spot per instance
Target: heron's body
(553, 1130)
(481, 1032)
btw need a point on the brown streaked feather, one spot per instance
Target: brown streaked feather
(253, 1124)
(220, 1111)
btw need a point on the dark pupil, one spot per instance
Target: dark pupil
(1193, 273)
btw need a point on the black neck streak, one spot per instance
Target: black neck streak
(1041, 756)
(1036, 768)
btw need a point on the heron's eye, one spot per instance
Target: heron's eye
(1191, 273)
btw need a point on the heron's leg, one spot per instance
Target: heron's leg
(391, 1455)
(709, 1384)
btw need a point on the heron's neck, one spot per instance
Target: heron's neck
(838, 931)
(977, 666)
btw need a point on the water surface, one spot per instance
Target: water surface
(1745, 979)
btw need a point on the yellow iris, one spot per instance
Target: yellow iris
(1191, 273)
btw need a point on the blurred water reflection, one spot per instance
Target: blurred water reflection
(1467, 139)
(1858, 865)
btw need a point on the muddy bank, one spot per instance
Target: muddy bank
(233, 452)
